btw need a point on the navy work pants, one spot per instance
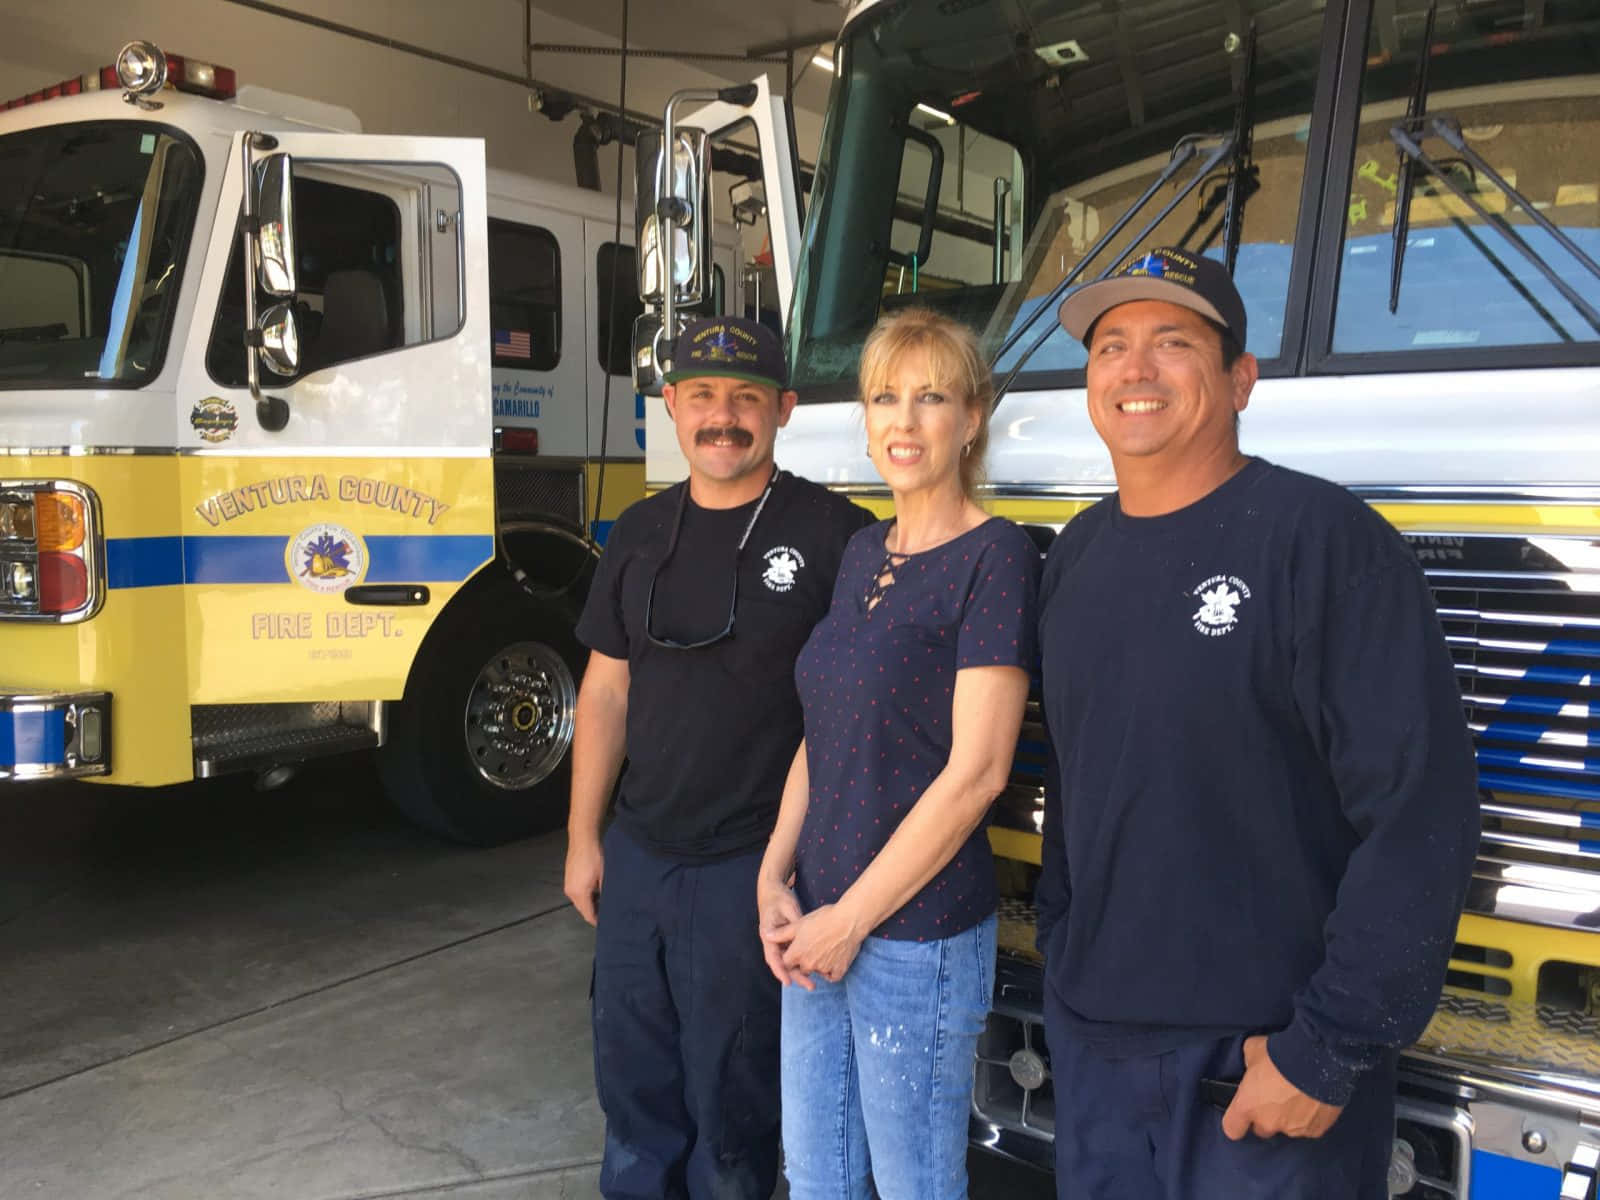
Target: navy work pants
(686, 1019)
(1138, 1129)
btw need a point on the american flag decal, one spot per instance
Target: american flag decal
(513, 343)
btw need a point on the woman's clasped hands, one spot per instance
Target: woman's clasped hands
(798, 945)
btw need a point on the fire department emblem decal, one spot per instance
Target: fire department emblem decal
(214, 419)
(326, 558)
(783, 567)
(1220, 598)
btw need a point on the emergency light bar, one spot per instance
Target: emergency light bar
(183, 74)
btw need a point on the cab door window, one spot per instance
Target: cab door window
(617, 306)
(377, 267)
(524, 296)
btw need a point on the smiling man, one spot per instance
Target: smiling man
(1261, 805)
(701, 602)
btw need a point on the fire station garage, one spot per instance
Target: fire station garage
(269, 924)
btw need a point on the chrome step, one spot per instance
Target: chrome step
(231, 738)
(276, 749)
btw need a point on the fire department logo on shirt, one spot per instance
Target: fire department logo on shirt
(783, 567)
(1220, 599)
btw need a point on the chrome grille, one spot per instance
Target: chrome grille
(1021, 804)
(1521, 615)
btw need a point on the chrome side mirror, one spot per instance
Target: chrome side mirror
(649, 352)
(279, 344)
(673, 216)
(275, 225)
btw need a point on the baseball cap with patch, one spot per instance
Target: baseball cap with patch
(1176, 276)
(731, 348)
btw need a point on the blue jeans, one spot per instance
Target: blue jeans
(877, 1070)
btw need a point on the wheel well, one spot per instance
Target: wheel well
(550, 577)
(549, 558)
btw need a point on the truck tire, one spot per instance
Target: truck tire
(479, 750)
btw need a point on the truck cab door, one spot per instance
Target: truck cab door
(381, 477)
(764, 122)
(780, 175)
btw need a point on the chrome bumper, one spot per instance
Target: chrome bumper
(1465, 1129)
(54, 735)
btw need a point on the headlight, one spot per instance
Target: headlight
(52, 557)
(16, 520)
(18, 582)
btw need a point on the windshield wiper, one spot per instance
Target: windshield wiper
(1242, 184)
(1181, 154)
(1405, 168)
(1408, 136)
(1243, 175)
(1243, 178)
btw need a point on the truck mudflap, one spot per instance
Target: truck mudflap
(1496, 1101)
(54, 735)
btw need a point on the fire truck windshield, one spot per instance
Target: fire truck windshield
(95, 221)
(1051, 120)
(977, 157)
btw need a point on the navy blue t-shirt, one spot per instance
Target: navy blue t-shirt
(877, 684)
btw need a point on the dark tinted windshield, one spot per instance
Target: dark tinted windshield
(94, 224)
(1043, 122)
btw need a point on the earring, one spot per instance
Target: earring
(966, 451)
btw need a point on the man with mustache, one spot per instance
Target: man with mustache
(1261, 808)
(702, 600)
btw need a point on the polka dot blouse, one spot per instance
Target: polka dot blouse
(877, 681)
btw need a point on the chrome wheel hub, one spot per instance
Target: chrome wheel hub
(519, 715)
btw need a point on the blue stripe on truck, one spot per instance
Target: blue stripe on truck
(399, 558)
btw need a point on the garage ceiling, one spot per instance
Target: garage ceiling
(716, 26)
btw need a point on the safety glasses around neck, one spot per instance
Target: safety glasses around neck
(670, 643)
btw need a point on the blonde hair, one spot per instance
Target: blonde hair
(955, 363)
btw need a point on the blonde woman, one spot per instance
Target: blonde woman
(877, 890)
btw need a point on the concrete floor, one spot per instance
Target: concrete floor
(210, 993)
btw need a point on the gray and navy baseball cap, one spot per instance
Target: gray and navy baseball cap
(1176, 276)
(732, 348)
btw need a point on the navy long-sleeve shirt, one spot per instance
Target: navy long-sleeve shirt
(1262, 805)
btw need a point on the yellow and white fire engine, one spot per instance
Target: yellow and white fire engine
(298, 434)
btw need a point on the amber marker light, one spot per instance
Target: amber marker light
(60, 520)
